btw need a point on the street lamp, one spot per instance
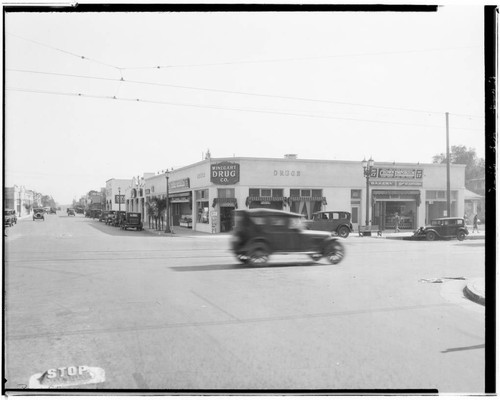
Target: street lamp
(167, 227)
(367, 170)
(119, 199)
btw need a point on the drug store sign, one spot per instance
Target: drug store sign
(225, 173)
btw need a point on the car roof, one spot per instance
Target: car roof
(268, 211)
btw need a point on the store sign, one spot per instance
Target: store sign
(409, 183)
(119, 199)
(397, 173)
(179, 184)
(225, 173)
(286, 172)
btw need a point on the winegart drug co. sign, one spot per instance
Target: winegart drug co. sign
(225, 173)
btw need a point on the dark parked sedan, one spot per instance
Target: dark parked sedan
(443, 228)
(258, 233)
(336, 222)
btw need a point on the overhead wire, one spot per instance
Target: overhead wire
(237, 92)
(223, 108)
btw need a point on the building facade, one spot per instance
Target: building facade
(115, 194)
(21, 200)
(203, 195)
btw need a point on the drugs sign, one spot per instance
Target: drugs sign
(67, 376)
(225, 173)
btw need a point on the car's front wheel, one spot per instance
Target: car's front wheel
(334, 252)
(461, 235)
(343, 231)
(259, 255)
(430, 236)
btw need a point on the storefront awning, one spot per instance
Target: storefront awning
(267, 199)
(225, 202)
(181, 197)
(302, 198)
(381, 195)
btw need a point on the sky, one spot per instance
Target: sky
(95, 96)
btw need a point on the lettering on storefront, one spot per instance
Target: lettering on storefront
(382, 183)
(178, 184)
(225, 173)
(286, 172)
(397, 173)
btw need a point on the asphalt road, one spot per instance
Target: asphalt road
(173, 313)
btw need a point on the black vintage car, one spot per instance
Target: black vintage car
(38, 213)
(443, 228)
(103, 216)
(71, 212)
(110, 216)
(9, 217)
(258, 233)
(132, 220)
(118, 217)
(336, 222)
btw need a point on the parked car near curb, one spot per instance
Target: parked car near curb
(71, 212)
(336, 222)
(259, 232)
(443, 228)
(9, 217)
(132, 220)
(39, 213)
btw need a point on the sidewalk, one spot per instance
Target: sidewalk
(181, 232)
(474, 290)
(405, 235)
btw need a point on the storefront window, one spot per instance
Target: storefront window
(254, 192)
(355, 194)
(277, 192)
(294, 192)
(265, 192)
(305, 193)
(202, 212)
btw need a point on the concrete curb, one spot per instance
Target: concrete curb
(474, 291)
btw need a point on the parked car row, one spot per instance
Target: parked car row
(122, 219)
(9, 217)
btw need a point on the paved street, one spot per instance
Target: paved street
(180, 313)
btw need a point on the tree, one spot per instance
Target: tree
(474, 166)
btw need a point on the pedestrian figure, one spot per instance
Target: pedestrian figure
(475, 223)
(397, 219)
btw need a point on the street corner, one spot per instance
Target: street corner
(474, 290)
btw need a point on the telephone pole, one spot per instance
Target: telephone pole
(448, 191)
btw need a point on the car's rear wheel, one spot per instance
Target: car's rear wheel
(259, 255)
(335, 252)
(461, 235)
(343, 231)
(430, 236)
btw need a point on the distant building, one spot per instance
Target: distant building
(22, 200)
(115, 194)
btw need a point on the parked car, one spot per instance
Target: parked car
(71, 212)
(9, 217)
(39, 213)
(103, 216)
(118, 218)
(52, 210)
(110, 216)
(443, 228)
(336, 222)
(258, 233)
(132, 220)
(94, 213)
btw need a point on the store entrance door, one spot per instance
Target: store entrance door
(226, 220)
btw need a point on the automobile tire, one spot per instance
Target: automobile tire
(334, 252)
(343, 232)
(316, 257)
(461, 235)
(430, 236)
(259, 255)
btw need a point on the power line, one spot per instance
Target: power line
(225, 108)
(236, 92)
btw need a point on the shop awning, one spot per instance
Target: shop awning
(396, 194)
(302, 198)
(225, 202)
(266, 199)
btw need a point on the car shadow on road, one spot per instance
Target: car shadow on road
(116, 231)
(219, 267)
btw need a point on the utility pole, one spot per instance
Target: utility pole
(448, 191)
